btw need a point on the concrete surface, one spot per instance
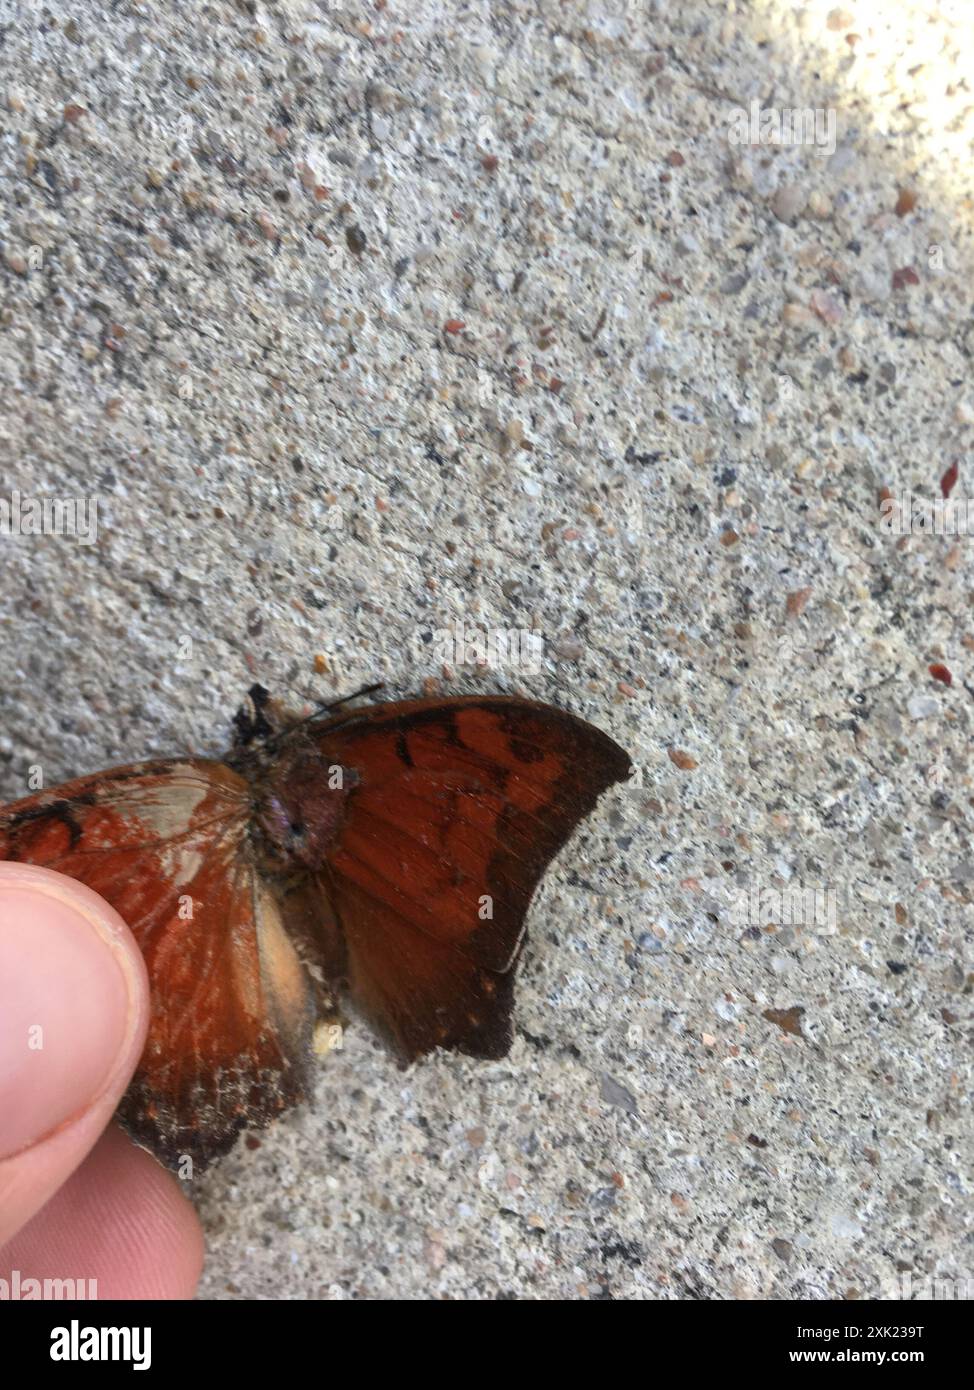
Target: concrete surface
(359, 321)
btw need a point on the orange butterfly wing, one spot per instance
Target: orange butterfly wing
(230, 1028)
(455, 810)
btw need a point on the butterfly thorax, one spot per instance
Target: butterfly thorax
(299, 808)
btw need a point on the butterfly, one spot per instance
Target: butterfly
(389, 851)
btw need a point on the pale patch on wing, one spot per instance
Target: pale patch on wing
(282, 975)
(180, 863)
(165, 808)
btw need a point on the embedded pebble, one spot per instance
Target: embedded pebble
(789, 201)
(922, 706)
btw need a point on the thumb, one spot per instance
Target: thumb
(73, 1018)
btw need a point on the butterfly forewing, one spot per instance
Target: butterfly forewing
(456, 810)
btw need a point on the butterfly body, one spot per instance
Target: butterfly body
(389, 852)
(298, 809)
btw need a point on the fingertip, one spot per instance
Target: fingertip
(73, 1003)
(74, 1010)
(121, 1223)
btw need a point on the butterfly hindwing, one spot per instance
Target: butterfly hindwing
(165, 844)
(230, 1039)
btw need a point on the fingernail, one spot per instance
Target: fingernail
(67, 1002)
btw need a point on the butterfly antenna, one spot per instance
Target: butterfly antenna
(365, 690)
(320, 710)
